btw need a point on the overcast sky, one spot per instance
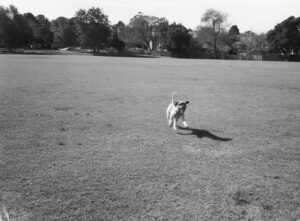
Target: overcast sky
(255, 15)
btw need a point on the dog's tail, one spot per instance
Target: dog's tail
(3, 214)
(173, 97)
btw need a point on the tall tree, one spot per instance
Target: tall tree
(234, 30)
(232, 39)
(122, 32)
(252, 42)
(127, 34)
(215, 21)
(70, 34)
(44, 35)
(149, 31)
(40, 27)
(33, 24)
(162, 30)
(14, 30)
(64, 32)
(4, 23)
(285, 37)
(142, 29)
(93, 28)
(261, 43)
(178, 41)
(116, 41)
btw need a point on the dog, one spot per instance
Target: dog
(175, 111)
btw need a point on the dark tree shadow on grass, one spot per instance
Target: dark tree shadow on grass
(202, 133)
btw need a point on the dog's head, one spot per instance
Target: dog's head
(180, 106)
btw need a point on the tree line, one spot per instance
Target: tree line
(91, 29)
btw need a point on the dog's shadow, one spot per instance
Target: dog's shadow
(202, 133)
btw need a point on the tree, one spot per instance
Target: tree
(234, 30)
(285, 37)
(142, 29)
(14, 30)
(215, 23)
(232, 39)
(5, 22)
(116, 42)
(33, 24)
(178, 40)
(93, 28)
(44, 36)
(253, 42)
(41, 30)
(127, 34)
(64, 32)
(162, 30)
(233, 35)
(149, 31)
(204, 35)
(261, 43)
(70, 35)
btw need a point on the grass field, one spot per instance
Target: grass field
(86, 138)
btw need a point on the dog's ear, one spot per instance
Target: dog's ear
(187, 102)
(175, 103)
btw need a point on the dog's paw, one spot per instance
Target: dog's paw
(185, 125)
(175, 128)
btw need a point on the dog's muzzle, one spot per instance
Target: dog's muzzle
(181, 110)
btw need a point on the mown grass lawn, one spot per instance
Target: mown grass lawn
(86, 138)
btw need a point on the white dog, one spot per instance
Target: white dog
(175, 111)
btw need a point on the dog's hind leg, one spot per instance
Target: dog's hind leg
(170, 123)
(169, 118)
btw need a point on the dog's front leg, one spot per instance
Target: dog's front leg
(174, 123)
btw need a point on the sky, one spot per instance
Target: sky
(258, 16)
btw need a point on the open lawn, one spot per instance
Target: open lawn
(86, 138)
